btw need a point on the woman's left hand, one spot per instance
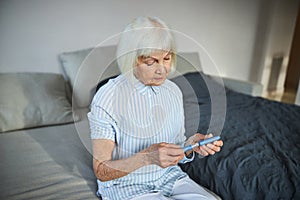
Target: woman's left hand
(205, 150)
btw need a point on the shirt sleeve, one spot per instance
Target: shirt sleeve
(102, 125)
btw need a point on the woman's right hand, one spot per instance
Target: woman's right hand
(106, 169)
(163, 154)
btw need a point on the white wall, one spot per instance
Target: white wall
(278, 42)
(34, 32)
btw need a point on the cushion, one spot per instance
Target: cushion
(30, 100)
(85, 68)
(71, 62)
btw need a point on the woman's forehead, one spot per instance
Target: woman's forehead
(157, 53)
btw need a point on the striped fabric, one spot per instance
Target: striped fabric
(136, 116)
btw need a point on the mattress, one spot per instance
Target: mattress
(47, 163)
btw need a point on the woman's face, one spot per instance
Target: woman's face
(154, 69)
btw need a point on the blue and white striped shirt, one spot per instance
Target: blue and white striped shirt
(136, 116)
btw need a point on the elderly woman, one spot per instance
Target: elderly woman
(137, 122)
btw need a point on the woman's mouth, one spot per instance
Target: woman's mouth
(158, 79)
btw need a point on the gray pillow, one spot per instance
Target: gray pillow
(71, 62)
(85, 68)
(30, 100)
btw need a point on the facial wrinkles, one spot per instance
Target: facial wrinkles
(154, 73)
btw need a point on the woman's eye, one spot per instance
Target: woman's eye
(150, 61)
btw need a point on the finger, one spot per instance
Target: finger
(175, 152)
(176, 159)
(172, 150)
(214, 147)
(198, 136)
(170, 145)
(208, 136)
(170, 160)
(208, 149)
(218, 143)
(201, 151)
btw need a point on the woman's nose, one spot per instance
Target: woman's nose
(161, 69)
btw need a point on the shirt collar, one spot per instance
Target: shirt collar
(142, 88)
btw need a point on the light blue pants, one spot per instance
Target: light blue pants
(184, 189)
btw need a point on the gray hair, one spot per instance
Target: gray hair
(142, 37)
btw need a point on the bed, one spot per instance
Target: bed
(261, 152)
(46, 151)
